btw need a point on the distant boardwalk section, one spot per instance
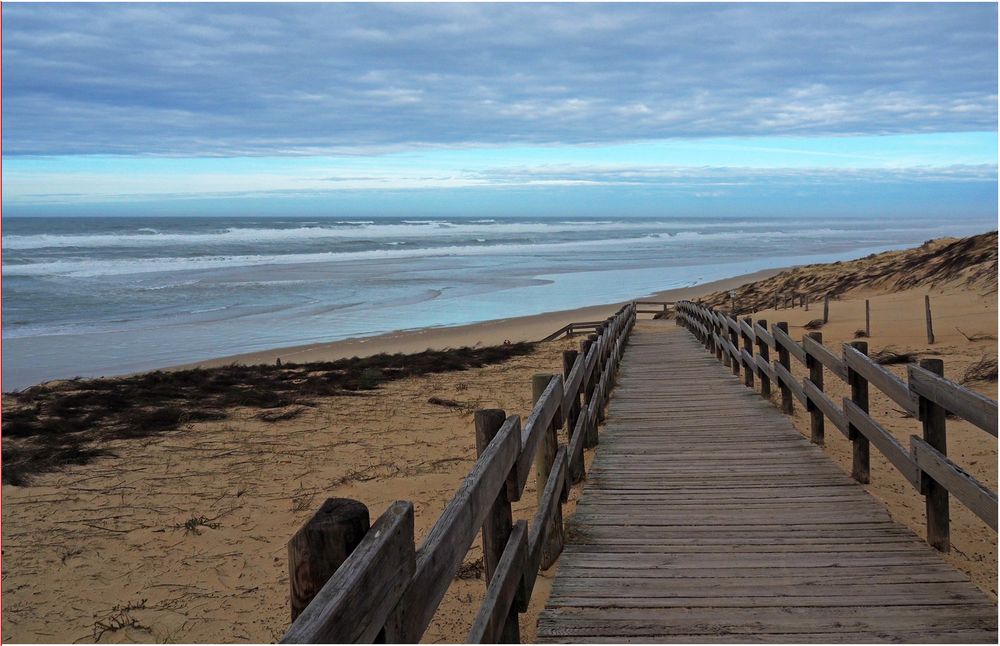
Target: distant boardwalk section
(707, 517)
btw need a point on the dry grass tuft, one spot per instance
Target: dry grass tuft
(983, 370)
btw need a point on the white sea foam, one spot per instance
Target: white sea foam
(341, 230)
(93, 268)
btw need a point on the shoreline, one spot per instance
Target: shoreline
(493, 332)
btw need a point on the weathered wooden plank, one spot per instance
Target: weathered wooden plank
(973, 494)
(888, 445)
(823, 354)
(488, 626)
(885, 381)
(785, 341)
(356, 600)
(746, 329)
(967, 404)
(762, 334)
(546, 408)
(551, 500)
(822, 401)
(449, 539)
(783, 376)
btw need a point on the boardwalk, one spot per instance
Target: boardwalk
(707, 517)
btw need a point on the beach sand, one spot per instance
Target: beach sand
(181, 537)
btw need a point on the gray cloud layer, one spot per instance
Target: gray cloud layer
(297, 79)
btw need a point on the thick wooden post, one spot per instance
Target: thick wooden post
(861, 461)
(765, 353)
(932, 416)
(748, 346)
(321, 546)
(720, 351)
(499, 523)
(544, 459)
(868, 318)
(775, 300)
(826, 308)
(785, 361)
(817, 427)
(930, 326)
(805, 301)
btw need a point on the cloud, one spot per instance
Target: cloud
(301, 79)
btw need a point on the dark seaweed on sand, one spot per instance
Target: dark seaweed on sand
(53, 425)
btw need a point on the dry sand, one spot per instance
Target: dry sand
(181, 537)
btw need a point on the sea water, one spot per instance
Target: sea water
(105, 296)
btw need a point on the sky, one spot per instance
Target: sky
(500, 109)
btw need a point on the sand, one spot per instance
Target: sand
(181, 537)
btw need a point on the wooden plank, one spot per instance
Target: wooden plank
(822, 401)
(785, 341)
(748, 361)
(488, 626)
(356, 600)
(763, 335)
(973, 494)
(822, 354)
(571, 390)
(888, 445)
(763, 366)
(551, 501)
(747, 330)
(538, 424)
(783, 376)
(441, 554)
(967, 404)
(885, 381)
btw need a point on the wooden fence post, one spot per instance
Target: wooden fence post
(784, 360)
(748, 346)
(932, 416)
(930, 326)
(765, 354)
(816, 420)
(720, 351)
(321, 546)
(776, 300)
(826, 308)
(868, 318)
(805, 301)
(861, 460)
(544, 459)
(499, 522)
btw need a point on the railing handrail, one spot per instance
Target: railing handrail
(925, 466)
(498, 477)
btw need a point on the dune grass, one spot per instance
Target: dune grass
(50, 426)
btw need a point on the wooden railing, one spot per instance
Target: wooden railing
(386, 590)
(925, 395)
(653, 307)
(577, 327)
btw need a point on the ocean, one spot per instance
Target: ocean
(107, 296)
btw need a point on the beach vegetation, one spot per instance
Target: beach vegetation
(50, 426)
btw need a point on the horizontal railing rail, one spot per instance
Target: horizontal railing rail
(385, 590)
(925, 395)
